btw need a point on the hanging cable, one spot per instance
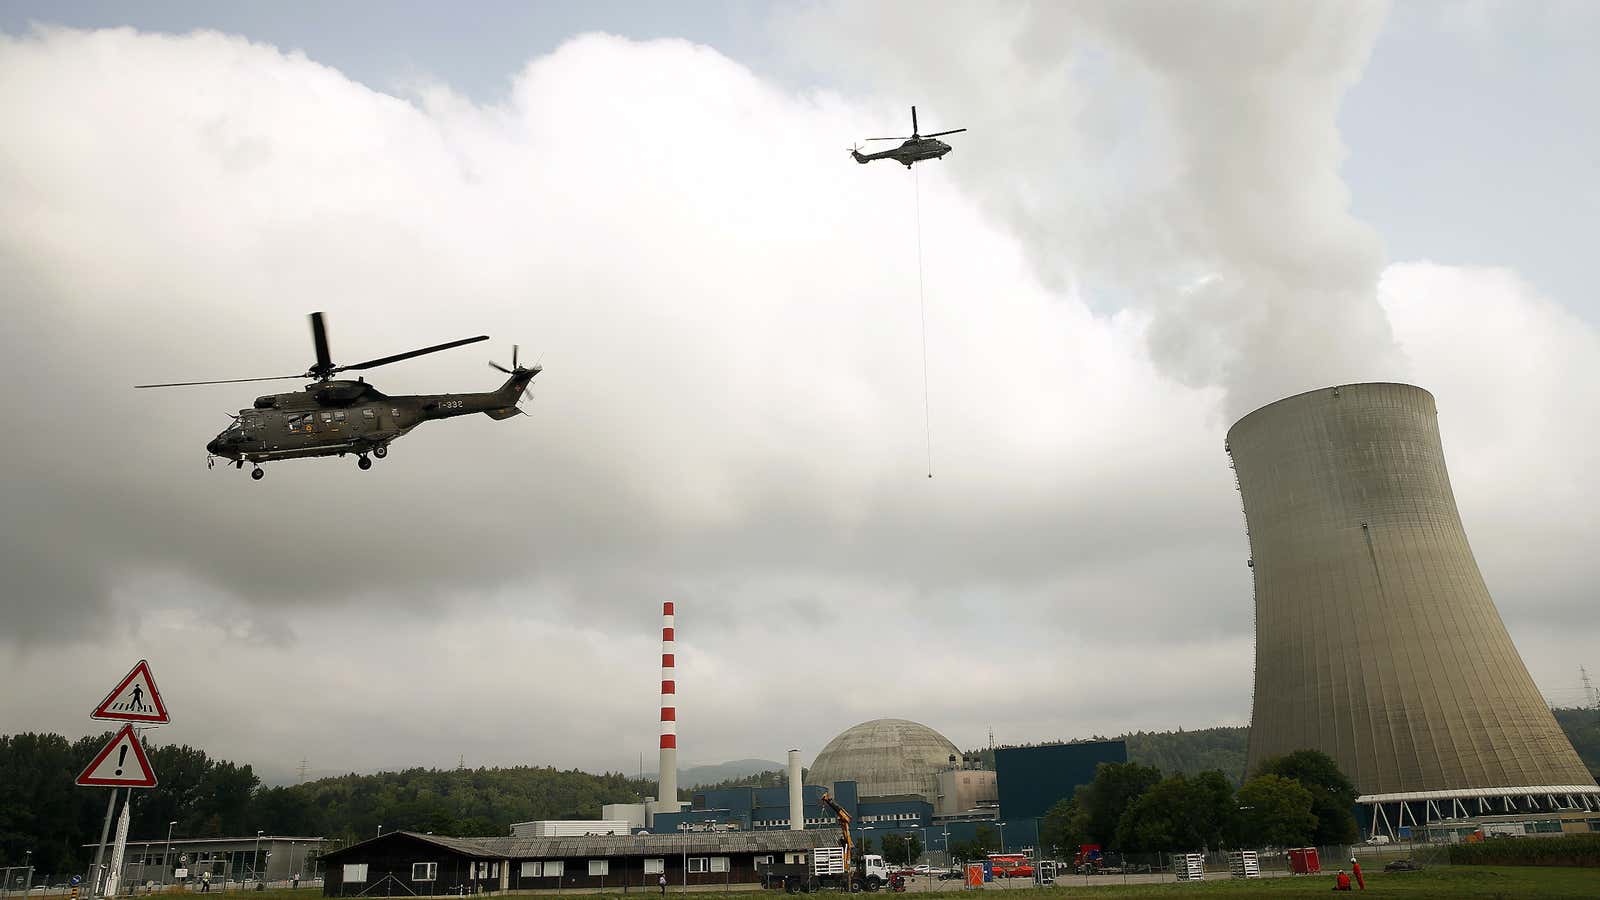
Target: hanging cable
(922, 306)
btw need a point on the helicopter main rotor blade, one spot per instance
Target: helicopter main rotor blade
(890, 139)
(951, 131)
(319, 337)
(223, 381)
(384, 361)
(913, 120)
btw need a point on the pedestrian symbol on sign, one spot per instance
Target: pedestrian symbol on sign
(134, 699)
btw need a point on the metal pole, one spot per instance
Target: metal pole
(100, 848)
(165, 850)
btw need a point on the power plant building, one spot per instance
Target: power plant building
(886, 758)
(1376, 639)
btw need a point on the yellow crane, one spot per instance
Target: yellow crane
(846, 841)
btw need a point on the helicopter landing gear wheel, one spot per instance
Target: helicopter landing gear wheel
(380, 451)
(364, 463)
(258, 473)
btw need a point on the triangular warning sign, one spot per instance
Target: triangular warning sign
(134, 699)
(121, 764)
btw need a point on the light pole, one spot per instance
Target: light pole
(165, 850)
(1002, 836)
(255, 858)
(27, 887)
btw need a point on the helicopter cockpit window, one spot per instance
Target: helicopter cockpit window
(367, 413)
(327, 417)
(301, 422)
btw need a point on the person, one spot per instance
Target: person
(663, 882)
(1341, 882)
(205, 882)
(1355, 869)
(295, 881)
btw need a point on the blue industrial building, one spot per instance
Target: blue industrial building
(1030, 781)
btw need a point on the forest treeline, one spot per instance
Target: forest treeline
(41, 810)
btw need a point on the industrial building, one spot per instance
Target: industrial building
(262, 857)
(1376, 639)
(885, 758)
(1033, 779)
(404, 863)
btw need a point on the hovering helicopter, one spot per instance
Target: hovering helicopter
(916, 148)
(332, 417)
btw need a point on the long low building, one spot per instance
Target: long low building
(403, 863)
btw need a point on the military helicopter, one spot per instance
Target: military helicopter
(332, 417)
(915, 149)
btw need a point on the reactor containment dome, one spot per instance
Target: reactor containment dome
(885, 758)
(1376, 639)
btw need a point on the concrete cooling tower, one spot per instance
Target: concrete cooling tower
(1376, 639)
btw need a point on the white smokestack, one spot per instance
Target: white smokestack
(667, 796)
(797, 797)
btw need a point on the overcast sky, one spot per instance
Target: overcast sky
(1162, 217)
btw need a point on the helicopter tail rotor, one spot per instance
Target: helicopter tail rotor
(516, 367)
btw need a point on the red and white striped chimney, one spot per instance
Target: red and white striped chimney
(668, 794)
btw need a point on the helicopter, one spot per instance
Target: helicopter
(916, 148)
(333, 417)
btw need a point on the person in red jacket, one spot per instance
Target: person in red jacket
(1341, 882)
(1355, 868)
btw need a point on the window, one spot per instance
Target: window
(554, 868)
(762, 860)
(599, 867)
(339, 416)
(301, 422)
(355, 872)
(654, 866)
(530, 870)
(367, 413)
(424, 871)
(698, 864)
(794, 859)
(719, 864)
(494, 871)
(327, 417)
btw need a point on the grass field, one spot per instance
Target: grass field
(1509, 882)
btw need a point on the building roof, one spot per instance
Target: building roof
(247, 839)
(885, 758)
(612, 845)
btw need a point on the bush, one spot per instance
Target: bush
(1567, 850)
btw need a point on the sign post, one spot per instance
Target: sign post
(135, 700)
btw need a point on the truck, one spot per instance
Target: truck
(826, 869)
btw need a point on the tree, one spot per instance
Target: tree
(985, 840)
(1103, 801)
(894, 849)
(1333, 796)
(1063, 827)
(1178, 814)
(1275, 812)
(914, 847)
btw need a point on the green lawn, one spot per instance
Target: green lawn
(1509, 882)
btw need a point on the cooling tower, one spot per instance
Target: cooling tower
(1376, 639)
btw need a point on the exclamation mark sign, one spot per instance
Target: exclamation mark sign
(122, 756)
